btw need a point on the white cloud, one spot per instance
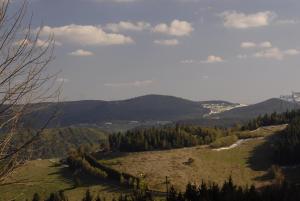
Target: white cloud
(248, 45)
(242, 56)
(38, 42)
(292, 52)
(238, 20)
(63, 80)
(176, 28)
(86, 35)
(272, 53)
(276, 53)
(287, 21)
(171, 42)
(265, 44)
(142, 83)
(213, 59)
(188, 61)
(128, 26)
(81, 53)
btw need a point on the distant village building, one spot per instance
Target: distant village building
(294, 97)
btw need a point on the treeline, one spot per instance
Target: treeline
(204, 192)
(55, 142)
(271, 119)
(80, 161)
(136, 195)
(287, 144)
(230, 192)
(168, 137)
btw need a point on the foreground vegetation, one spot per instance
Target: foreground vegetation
(251, 162)
(203, 192)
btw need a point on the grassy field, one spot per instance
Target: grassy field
(45, 176)
(247, 164)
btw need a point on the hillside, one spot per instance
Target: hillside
(56, 142)
(247, 163)
(144, 108)
(252, 111)
(151, 110)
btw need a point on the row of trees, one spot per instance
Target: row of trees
(271, 119)
(146, 139)
(137, 195)
(80, 161)
(230, 192)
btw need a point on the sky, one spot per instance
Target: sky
(235, 50)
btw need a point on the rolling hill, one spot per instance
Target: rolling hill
(252, 111)
(144, 108)
(150, 110)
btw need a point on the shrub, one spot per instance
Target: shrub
(224, 141)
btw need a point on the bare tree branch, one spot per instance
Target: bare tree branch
(24, 81)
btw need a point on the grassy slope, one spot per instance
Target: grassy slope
(247, 163)
(44, 176)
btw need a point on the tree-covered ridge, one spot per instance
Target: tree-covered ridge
(271, 119)
(168, 137)
(287, 144)
(56, 142)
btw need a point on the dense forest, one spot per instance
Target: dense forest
(287, 144)
(168, 137)
(271, 119)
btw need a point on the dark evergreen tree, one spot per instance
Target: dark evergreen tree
(88, 196)
(36, 197)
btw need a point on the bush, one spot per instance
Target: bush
(224, 141)
(249, 134)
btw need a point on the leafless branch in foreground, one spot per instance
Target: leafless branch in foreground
(24, 80)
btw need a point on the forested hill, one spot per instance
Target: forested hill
(144, 108)
(56, 142)
(153, 108)
(252, 111)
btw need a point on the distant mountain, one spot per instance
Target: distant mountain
(144, 108)
(140, 111)
(252, 111)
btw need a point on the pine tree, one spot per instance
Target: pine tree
(88, 196)
(36, 197)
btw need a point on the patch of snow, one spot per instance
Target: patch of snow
(239, 142)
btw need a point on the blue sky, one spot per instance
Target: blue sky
(237, 50)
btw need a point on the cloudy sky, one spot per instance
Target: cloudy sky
(237, 50)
